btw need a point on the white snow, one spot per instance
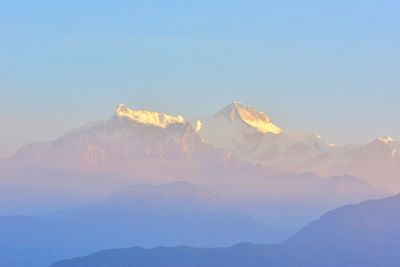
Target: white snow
(147, 117)
(254, 118)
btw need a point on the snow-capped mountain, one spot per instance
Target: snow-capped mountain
(230, 128)
(251, 135)
(135, 147)
(148, 117)
(377, 162)
(89, 162)
(134, 141)
(245, 114)
(146, 145)
(129, 140)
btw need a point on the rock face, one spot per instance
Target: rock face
(366, 234)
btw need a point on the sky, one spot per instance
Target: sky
(330, 67)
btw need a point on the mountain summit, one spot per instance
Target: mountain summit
(236, 132)
(147, 117)
(247, 114)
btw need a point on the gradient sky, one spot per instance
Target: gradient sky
(332, 67)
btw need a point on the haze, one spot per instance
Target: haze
(330, 68)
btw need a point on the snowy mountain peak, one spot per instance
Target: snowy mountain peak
(147, 117)
(247, 114)
(198, 126)
(386, 139)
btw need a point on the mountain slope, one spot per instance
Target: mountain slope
(148, 117)
(146, 215)
(247, 115)
(251, 136)
(377, 162)
(243, 255)
(139, 146)
(366, 234)
(92, 161)
(134, 141)
(130, 136)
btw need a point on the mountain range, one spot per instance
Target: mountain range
(223, 154)
(366, 234)
(236, 146)
(146, 215)
(134, 139)
(232, 177)
(252, 136)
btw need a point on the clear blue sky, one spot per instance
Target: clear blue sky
(327, 66)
